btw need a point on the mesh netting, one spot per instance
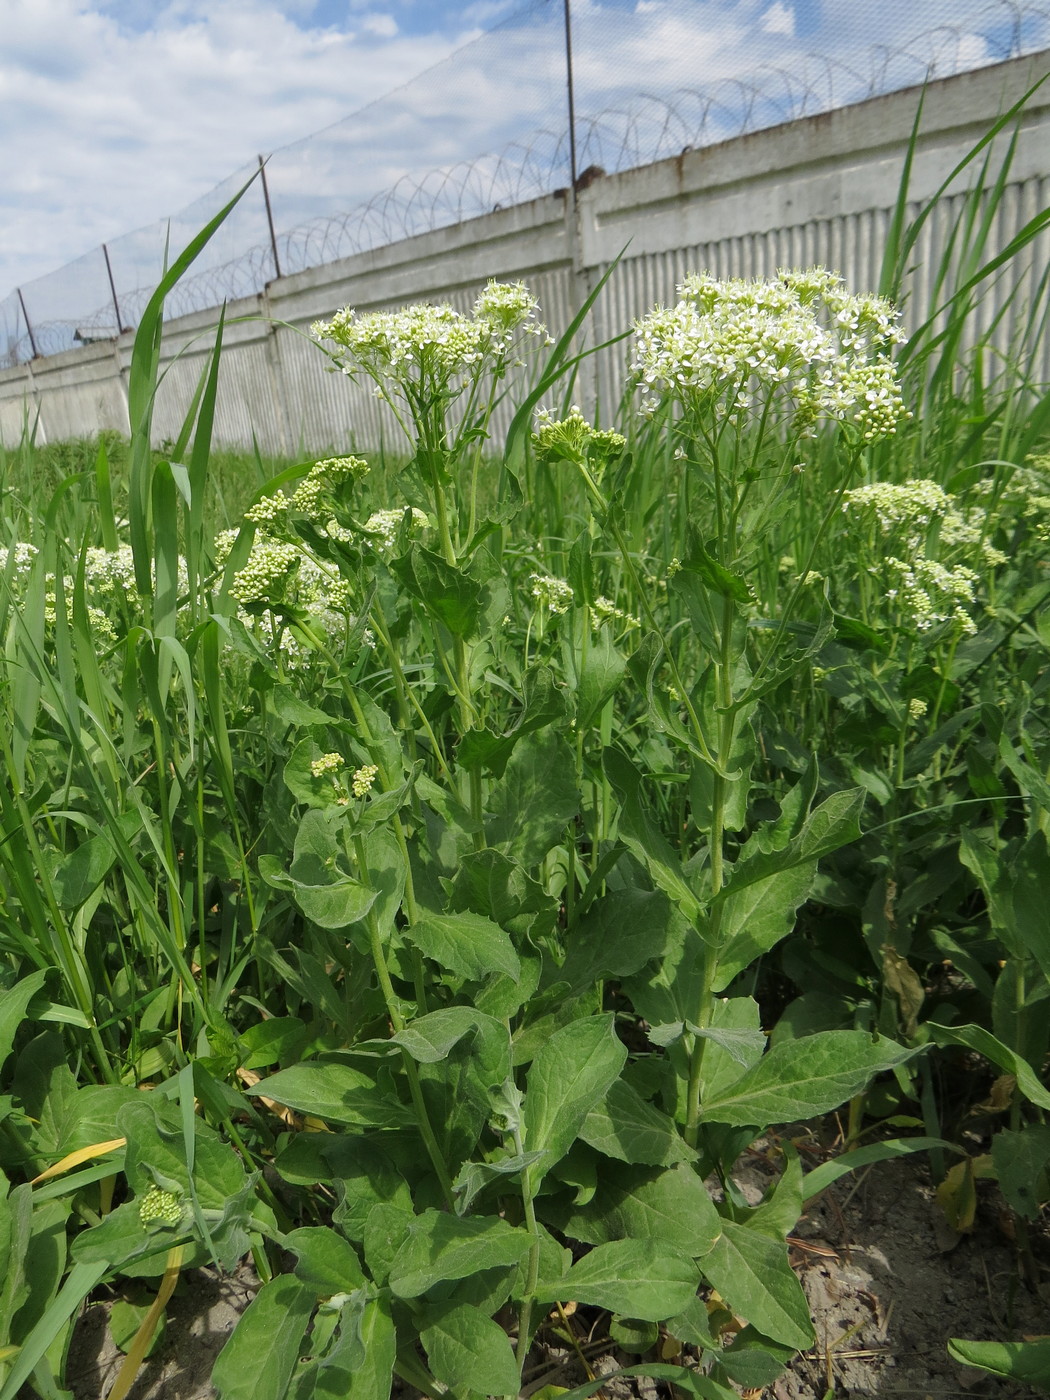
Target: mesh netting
(488, 128)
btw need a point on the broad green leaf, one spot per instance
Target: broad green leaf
(270, 1041)
(367, 1176)
(1028, 1362)
(535, 800)
(430, 1038)
(373, 1378)
(623, 1125)
(13, 1004)
(977, 1038)
(440, 1247)
(325, 1261)
(572, 1071)
(600, 676)
(801, 1078)
(646, 1279)
(467, 1350)
(835, 823)
(258, 1361)
(467, 944)
(1021, 1161)
(672, 1205)
(491, 883)
(80, 873)
(447, 593)
(751, 1272)
(334, 906)
(336, 1092)
(757, 916)
(620, 933)
(642, 836)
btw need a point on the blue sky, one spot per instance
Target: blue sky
(115, 113)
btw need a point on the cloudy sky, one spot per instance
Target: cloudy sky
(116, 113)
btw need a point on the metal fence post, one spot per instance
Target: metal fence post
(269, 217)
(113, 290)
(29, 328)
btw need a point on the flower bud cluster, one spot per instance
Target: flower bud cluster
(383, 525)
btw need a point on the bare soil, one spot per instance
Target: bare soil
(887, 1280)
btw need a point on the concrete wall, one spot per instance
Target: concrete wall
(820, 190)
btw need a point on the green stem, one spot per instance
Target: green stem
(533, 1270)
(393, 1008)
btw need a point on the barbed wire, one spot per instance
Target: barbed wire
(648, 128)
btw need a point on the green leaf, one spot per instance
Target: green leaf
(631, 1335)
(467, 944)
(326, 1262)
(600, 676)
(440, 1247)
(977, 1038)
(80, 873)
(623, 1125)
(535, 800)
(672, 1205)
(715, 576)
(801, 1078)
(373, 1377)
(1021, 1160)
(757, 916)
(258, 1361)
(336, 1092)
(681, 1377)
(13, 1004)
(643, 837)
(835, 823)
(751, 1272)
(821, 1177)
(273, 1040)
(1019, 1361)
(447, 593)
(572, 1071)
(646, 1279)
(468, 1350)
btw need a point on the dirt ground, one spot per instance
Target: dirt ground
(887, 1281)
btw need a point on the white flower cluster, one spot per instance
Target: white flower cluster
(436, 344)
(910, 512)
(1025, 495)
(383, 526)
(604, 610)
(22, 555)
(801, 341)
(928, 593)
(112, 572)
(554, 592)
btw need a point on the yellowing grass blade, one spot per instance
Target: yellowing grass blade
(137, 1351)
(74, 1159)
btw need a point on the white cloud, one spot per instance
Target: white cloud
(779, 19)
(383, 26)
